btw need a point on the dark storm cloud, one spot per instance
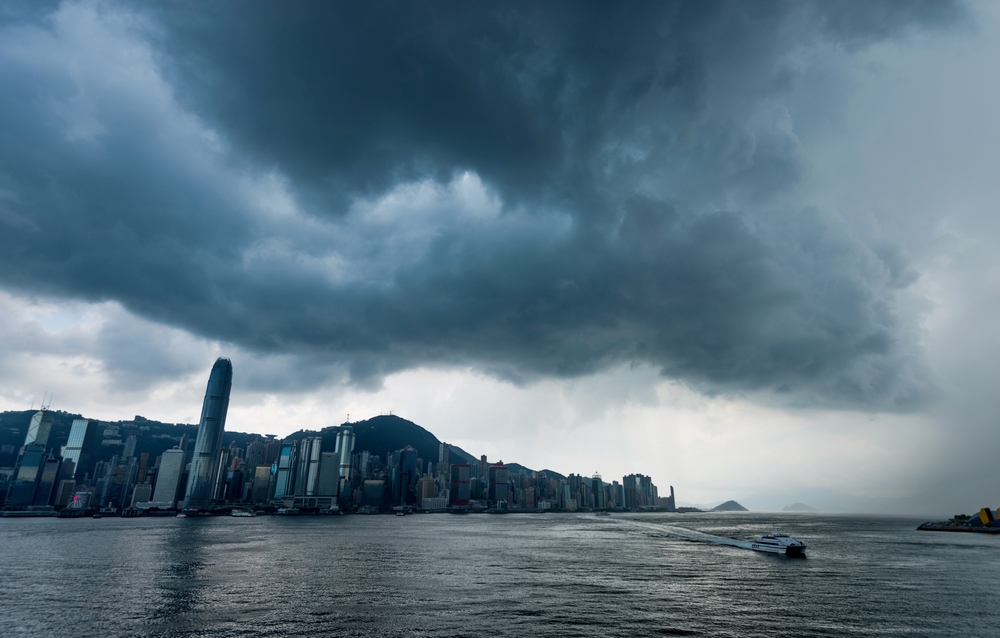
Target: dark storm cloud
(296, 179)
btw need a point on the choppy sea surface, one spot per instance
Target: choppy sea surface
(482, 575)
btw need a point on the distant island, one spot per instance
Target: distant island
(799, 507)
(730, 506)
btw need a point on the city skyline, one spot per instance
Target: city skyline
(749, 242)
(199, 475)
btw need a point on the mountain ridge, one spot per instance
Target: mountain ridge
(378, 435)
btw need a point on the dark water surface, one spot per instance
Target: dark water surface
(480, 575)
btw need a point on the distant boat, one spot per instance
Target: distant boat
(400, 513)
(98, 515)
(181, 515)
(287, 511)
(243, 513)
(602, 513)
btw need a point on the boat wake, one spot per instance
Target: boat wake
(692, 535)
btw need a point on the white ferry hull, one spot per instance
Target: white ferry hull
(795, 551)
(778, 543)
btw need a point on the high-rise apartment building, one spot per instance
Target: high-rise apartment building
(205, 460)
(639, 491)
(499, 477)
(459, 489)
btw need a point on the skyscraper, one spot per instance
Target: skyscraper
(168, 479)
(204, 462)
(129, 446)
(404, 491)
(47, 481)
(597, 485)
(639, 491)
(143, 462)
(444, 457)
(261, 483)
(256, 453)
(345, 447)
(308, 471)
(117, 485)
(219, 483)
(459, 490)
(329, 474)
(27, 472)
(39, 428)
(79, 444)
(285, 472)
(499, 477)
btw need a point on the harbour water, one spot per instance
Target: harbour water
(481, 575)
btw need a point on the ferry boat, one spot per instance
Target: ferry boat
(778, 543)
(243, 513)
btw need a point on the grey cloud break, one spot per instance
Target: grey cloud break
(643, 156)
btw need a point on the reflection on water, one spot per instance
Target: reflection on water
(514, 575)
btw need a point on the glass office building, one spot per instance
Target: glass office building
(79, 444)
(29, 469)
(168, 479)
(39, 428)
(47, 482)
(284, 484)
(205, 460)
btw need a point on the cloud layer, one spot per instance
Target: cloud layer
(530, 191)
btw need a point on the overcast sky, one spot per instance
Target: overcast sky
(745, 248)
